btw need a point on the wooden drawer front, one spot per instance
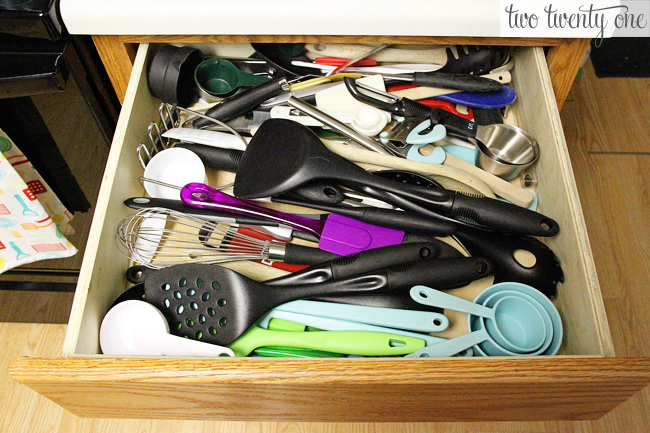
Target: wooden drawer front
(584, 383)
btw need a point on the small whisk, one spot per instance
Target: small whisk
(159, 237)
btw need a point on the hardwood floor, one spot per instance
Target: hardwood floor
(611, 160)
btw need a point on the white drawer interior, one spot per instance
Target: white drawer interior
(579, 300)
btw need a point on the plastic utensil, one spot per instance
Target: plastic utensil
(497, 99)
(503, 189)
(421, 93)
(206, 137)
(176, 167)
(554, 315)
(337, 234)
(328, 324)
(243, 101)
(284, 155)
(294, 352)
(514, 322)
(349, 342)
(464, 82)
(219, 77)
(171, 74)
(419, 321)
(541, 269)
(368, 121)
(436, 55)
(452, 346)
(332, 324)
(395, 219)
(222, 304)
(138, 328)
(356, 264)
(492, 299)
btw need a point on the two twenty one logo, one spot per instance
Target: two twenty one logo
(575, 19)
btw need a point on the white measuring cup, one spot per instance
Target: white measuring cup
(138, 328)
(175, 166)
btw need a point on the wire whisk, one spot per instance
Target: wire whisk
(159, 237)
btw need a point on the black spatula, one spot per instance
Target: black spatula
(283, 155)
(216, 305)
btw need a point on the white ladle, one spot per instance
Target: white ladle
(138, 328)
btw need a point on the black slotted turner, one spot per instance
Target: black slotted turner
(216, 305)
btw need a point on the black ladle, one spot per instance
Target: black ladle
(283, 155)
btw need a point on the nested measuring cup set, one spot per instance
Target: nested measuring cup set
(506, 319)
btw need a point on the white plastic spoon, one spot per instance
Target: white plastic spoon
(140, 329)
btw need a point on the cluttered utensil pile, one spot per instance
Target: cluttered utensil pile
(343, 232)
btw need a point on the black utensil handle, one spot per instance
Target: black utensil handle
(215, 157)
(544, 275)
(360, 263)
(464, 82)
(487, 116)
(137, 274)
(503, 216)
(411, 108)
(207, 214)
(440, 273)
(454, 124)
(301, 255)
(321, 192)
(408, 221)
(243, 101)
(398, 220)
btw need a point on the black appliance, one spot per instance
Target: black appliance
(38, 59)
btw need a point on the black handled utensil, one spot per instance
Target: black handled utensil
(343, 267)
(243, 101)
(283, 155)
(216, 305)
(394, 219)
(464, 82)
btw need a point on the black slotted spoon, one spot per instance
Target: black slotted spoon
(216, 305)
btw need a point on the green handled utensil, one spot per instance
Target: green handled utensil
(294, 352)
(362, 343)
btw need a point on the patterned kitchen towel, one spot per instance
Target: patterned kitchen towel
(28, 232)
(37, 186)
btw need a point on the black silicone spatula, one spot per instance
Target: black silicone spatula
(216, 305)
(283, 155)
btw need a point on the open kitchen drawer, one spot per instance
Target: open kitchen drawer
(585, 382)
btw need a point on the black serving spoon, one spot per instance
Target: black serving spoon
(217, 305)
(415, 250)
(283, 155)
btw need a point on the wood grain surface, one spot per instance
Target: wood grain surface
(614, 199)
(564, 60)
(536, 389)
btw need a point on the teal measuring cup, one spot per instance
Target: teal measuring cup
(220, 78)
